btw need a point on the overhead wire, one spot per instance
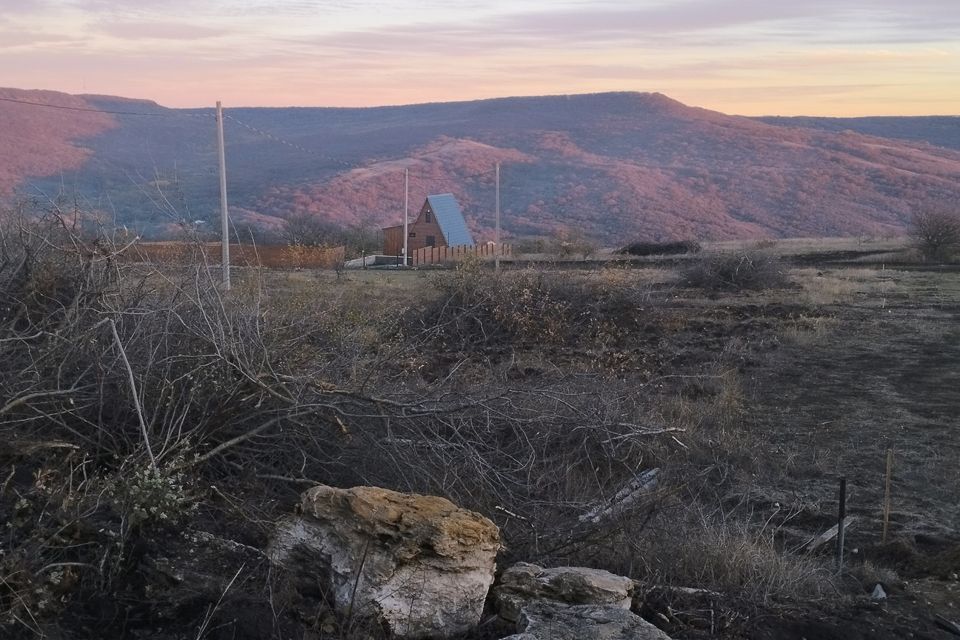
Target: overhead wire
(256, 130)
(293, 145)
(170, 113)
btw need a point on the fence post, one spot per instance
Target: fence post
(841, 517)
(886, 496)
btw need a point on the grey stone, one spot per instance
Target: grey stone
(556, 621)
(523, 583)
(418, 564)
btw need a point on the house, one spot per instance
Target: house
(440, 223)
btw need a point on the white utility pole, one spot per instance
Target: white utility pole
(224, 221)
(406, 217)
(496, 248)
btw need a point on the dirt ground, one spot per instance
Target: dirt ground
(880, 370)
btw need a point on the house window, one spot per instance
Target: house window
(412, 234)
(428, 217)
(431, 241)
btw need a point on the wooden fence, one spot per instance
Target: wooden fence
(270, 256)
(443, 255)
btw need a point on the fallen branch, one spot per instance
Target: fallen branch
(627, 496)
(16, 402)
(133, 388)
(947, 625)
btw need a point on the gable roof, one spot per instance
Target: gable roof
(450, 218)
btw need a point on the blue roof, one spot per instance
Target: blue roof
(450, 218)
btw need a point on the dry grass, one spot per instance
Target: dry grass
(809, 330)
(846, 286)
(729, 554)
(293, 256)
(802, 246)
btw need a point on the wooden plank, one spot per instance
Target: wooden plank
(831, 533)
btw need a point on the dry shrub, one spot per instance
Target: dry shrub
(478, 308)
(869, 574)
(711, 404)
(736, 272)
(677, 247)
(936, 232)
(120, 392)
(478, 305)
(246, 397)
(730, 554)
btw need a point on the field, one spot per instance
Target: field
(270, 256)
(532, 397)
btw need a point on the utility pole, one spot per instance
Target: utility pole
(496, 248)
(406, 217)
(224, 221)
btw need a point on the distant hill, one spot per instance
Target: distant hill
(940, 131)
(38, 141)
(613, 166)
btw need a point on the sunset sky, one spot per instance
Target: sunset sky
(753, 57)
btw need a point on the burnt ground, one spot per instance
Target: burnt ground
(885, 375)
(834, 370)
(846, 363)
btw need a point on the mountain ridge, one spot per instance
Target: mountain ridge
(612, 166)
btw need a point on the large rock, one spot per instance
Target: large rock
(419, 564)
(523, 583)
(556, 621)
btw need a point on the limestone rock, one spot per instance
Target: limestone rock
(557, 621)
(523, 583)
(419, 564)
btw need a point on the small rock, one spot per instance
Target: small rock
(878, 593)
(557, 621)
(523, 583)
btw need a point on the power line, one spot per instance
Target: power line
(293, 145)
(175, 113)
(166, 114)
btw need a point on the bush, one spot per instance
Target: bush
(936, 232)
(479, 309)
(736, 272)
(660, 248)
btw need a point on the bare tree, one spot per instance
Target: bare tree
(310, 231)
(936, 231)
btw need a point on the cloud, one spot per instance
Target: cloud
(10, 39)
(677, 24)
(21, 6)
(159, 30)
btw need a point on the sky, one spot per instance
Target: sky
(750, 57)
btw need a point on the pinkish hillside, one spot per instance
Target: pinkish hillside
(612, 166)
(37, 141)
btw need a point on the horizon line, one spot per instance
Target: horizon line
(625, 92)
